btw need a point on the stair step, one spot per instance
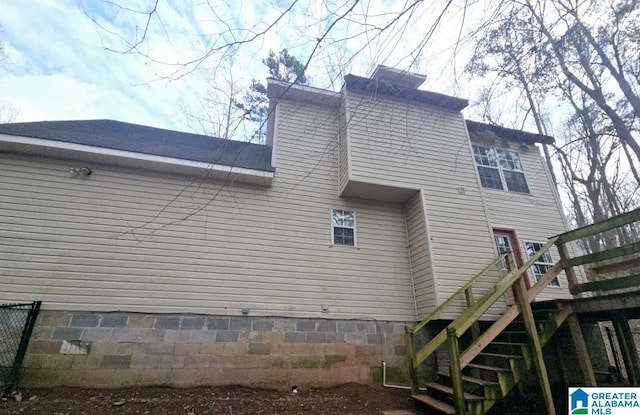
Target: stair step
(494, 343)
(489, 368)
(449, 391)
(506, 356)
(436, 404)
(471, 379)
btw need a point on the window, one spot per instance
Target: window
(500, 169)
(503, 244)
(543, 264)
(343, 227)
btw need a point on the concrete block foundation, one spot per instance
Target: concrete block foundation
(133, 349)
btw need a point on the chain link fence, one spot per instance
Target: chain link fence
(16, 325)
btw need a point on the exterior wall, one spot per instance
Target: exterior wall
(403, 144)
(534, 217)
(131, 349)
(421, 264)
(126, 240)
(343, 146)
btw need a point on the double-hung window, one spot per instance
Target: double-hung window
(500, 169)
(343, 227)
(544, 262)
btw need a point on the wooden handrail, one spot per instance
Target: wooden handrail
(610, 284)
(605, 225)
(435, 313)
(472, 314)
(603, 255)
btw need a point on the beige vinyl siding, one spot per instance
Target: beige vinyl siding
(420, 256)
(404, 144)
(344, 148)
(536, 216)
(138, 241)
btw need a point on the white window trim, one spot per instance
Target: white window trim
(501, 170)
(355, 224)
(550, 285)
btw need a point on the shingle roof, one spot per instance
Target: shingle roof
(477, 129)
(135, 138)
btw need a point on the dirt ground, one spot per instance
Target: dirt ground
(349, 399)
(346, 399)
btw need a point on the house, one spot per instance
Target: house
(178, 259)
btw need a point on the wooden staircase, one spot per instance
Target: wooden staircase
(494, 372)
(486, 360)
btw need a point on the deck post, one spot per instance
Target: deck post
(455, 372)
(629, 352)
(564, 370)
(581, 350)
(475, 327)
(538, 358)
(569, 271)
(411, 354)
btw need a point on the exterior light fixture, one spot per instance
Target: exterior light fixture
(80, 171)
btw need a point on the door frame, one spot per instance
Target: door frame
(517, 254)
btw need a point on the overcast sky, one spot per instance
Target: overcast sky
(60, 69)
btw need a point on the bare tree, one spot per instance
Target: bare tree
(548, 54)
(215, 112)
(579, 56)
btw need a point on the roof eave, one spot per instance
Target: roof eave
(397, 91)
(509, 134)
(302, 93)
(91, 154)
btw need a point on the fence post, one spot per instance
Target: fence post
(30, 322)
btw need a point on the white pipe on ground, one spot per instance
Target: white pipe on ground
(384, 379)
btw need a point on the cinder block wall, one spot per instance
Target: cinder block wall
(130, 349)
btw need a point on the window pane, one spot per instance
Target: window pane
(342, 217)
(503, 245)
(336, 217)
(343, 236)
(515, 161)
(543, 264)
(509, 160)
(515, 181)
(485, 156)
(490, 177)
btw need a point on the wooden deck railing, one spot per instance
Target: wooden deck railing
(622, 256)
